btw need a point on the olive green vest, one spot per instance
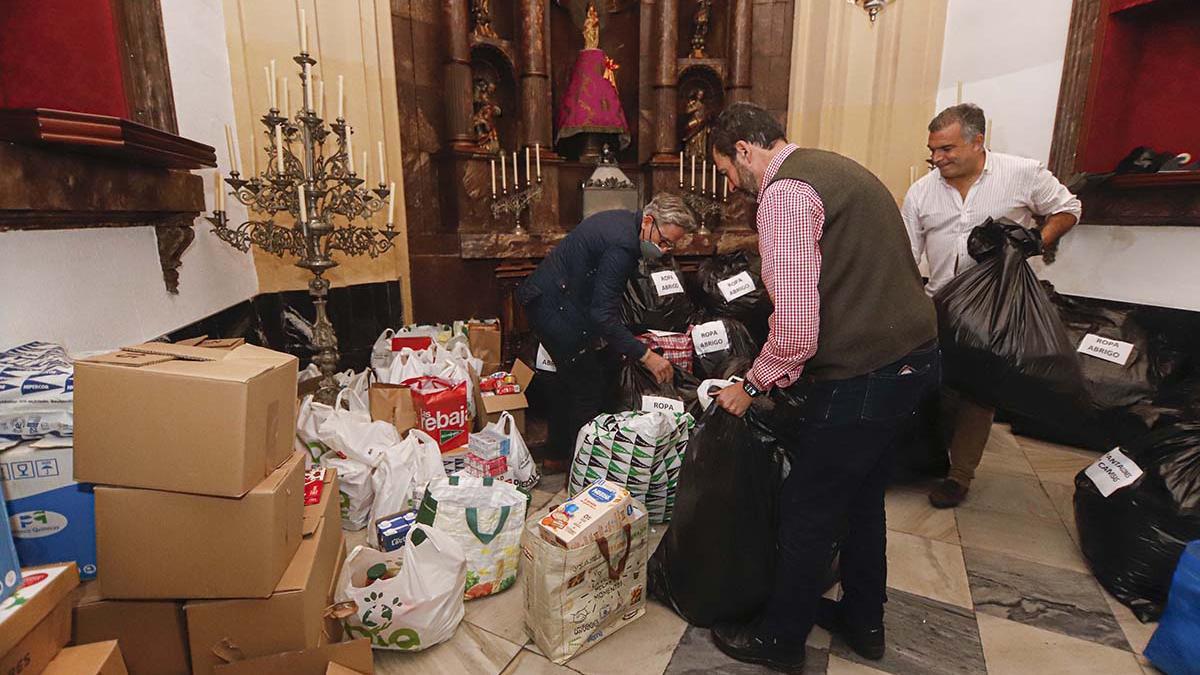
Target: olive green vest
(873, 307)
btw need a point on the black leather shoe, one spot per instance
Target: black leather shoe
(866, 642)
(740, 642)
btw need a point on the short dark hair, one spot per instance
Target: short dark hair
(969, 115)
(745, 122)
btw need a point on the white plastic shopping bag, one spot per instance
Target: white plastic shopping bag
(408, 600)
(521, 468)
(357, 445)
(381, 352)
(309, 418)
(399, 480)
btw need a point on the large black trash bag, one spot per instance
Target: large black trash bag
(635, 381)
(753, 308)
(1133, 538)
(716, 562)
(656, 306)
(740, 346)
(1002, 340)
(1109, 385)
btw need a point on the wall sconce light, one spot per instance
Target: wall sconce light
(872, 7)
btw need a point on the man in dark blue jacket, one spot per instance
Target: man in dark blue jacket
(573, 303)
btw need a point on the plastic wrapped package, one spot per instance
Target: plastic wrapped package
(37, 384)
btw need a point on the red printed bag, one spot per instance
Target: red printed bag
(441, 410)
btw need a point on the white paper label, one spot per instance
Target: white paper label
(544, 362)
(1112, 472)
(736, 286)
(662, 333)
(666, 282)
(1106, 348)
(662, 404)
(710, 337)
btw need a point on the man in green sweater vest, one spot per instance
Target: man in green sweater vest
(852, 349)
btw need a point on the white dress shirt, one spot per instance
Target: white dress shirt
(939, 220)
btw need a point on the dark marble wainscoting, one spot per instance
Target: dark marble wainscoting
(283, 321)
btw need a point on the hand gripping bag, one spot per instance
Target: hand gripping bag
(637, 390)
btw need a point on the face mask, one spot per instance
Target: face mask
(650, 250)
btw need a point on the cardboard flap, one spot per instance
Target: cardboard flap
(222, 343)
(178, 351)
(523, 374)
(338, 669)
(355, 655)
(131, 359)
(192, 342)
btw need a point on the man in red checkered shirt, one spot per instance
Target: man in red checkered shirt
(851, 352)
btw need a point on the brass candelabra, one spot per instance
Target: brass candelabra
(518, 198)
(315, 189)
(702, 197)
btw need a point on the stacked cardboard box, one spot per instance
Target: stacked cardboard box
(207, 550)
(35, 622)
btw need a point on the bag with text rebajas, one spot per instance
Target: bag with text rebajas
(732, 287)
(1136, 508)
(442, 410)
(655, 298)
(1002, 340)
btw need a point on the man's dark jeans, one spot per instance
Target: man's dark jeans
(841, 437)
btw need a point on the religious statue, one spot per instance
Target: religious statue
(483, 120)
(700, 28)
(591, 102)
(591, 29)
(695, 135)
(481, 12)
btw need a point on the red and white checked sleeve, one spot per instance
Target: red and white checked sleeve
(791, 217)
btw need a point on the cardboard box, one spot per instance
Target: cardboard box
(601, 509)
(96, 658)
(53, 517)
(152, 633)
(392, 403)
(36, 622)
(166, 545)
(10, 567)
(354, 655)
(294, 616)
(514, 404)
(338, 669)
(486, 341)
(182, 418)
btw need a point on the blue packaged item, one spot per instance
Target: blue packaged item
(1175, 646)
(392, 530)
(10, 567)
(52, 517)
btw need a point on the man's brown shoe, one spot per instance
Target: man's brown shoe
(948, 494)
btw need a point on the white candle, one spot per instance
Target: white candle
(382, 164)
(303, 205)
(516, 175)
(270, 87)
(341, 91)
(391, 202)
(528, 175)
(350, 148)
(229, 148)
(681, 168)
(726, 195)
(366, 166)
(218, 193)
(714, 180)
(537, 151)
(493, 163)
(503, 173)
(693, 183)
(308, 89)
(286, 106)
(703, 174)
(279, 148)
(253, 159)
(274, 87)
(321, 99)
(303, 33)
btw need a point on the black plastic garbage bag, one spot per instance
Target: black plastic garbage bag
(1003, 343)
(731, 286)
(1109, 385)
(656, 299)
(1133, 538)
(718, 343)
(717, 560)
(634, 381)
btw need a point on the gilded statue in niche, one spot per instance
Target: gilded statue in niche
(483, 120)
(700, 22)
(591, 28)
(481, 12)
(695, 135)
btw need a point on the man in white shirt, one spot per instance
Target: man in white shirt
(972, 184)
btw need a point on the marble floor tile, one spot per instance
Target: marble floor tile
(1039, 540)
(1055, 463)
(355, 538)
(1002, 441)
(471, 650)
(697, 655)
(1136, 632)
(1046, 597)
(933, 569)
(924, 637)
(1010, 494)
(531, 663)
(553, 483)
(1063, 497)
(502, 614)
(909, 511)
(838, 666)
(644, 646)
(1016, 649)
(1004, 464)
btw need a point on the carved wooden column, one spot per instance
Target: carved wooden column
(535, 73)
(665, 142)
(458, 74)
(740, 51)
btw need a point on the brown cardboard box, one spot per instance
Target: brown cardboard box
(33, 632)
(355, 655)
(514, 404)
(152, 633)
(182, 418)
(96, 658)
(165, 545)
(338, 669)
(392, 403)
(293, 617)
(486, 343)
